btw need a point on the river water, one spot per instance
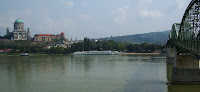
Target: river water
(84, 73)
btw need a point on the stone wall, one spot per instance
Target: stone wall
(43, 38)
(185, 76)
(5, 41)
(185, 61)
(186, 70)
(171, 55)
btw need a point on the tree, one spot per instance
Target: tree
(77, 47)
(7, 36)
(35, 49)
(86, 44)
(67, 51)
(121, 47)
(93, 46)
(56, 50)
(99, 46)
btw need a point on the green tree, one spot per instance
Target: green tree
(77, 47)
(121, 47)
(99, 46)
(86, 44)
(7, 36)
(93, 46)
(35, 49)
(56, 50)
(67, 51)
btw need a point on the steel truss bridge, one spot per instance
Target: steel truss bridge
(185, 36)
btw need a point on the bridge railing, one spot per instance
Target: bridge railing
(192, 46)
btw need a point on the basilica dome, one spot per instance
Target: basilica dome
(18, 21)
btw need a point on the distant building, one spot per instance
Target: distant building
(28, 34)
(49, 37)
(8, 31)
(5, 50)
(44, 37)
(60, 44)
(62, 36)
(76, 41)
(19, 33)
(72, 42)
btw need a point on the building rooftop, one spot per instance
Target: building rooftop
(44, 34)
(18, 21)
(62, 33)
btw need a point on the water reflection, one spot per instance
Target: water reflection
(88, 74)
(148, 75)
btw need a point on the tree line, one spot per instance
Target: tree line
(86, 45)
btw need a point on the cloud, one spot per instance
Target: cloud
(49, 24)
(84, 4)
(148, 1)
(181, 3)
(151, 13)
(85, 17)
(143, 2)
(8, 18)
(68, 3)
(121, 14)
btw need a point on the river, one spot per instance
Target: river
(84, 73)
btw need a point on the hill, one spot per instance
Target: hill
(152, 37)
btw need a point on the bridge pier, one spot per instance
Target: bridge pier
(186, 70)
(171, 55)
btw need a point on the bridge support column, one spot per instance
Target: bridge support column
(186, 70)
(171, 55)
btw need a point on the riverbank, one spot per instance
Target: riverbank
(30, 54)
(33, 54)
(142, 53)
(9, 54)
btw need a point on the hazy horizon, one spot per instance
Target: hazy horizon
(92, 19)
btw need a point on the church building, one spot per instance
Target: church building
(19, 33)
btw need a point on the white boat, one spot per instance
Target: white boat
(97, 53)
(24, 54)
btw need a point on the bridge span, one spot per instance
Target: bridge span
(184, 46)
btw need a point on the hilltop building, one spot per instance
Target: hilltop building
(19, 33)
(49, 37)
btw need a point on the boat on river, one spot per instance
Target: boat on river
(24, 54)
(97, 53)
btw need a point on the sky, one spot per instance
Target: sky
(92, 18)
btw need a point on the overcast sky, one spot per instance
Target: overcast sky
(92, 18)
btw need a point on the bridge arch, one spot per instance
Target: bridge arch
(185, 36)
(173, 34)
(190, 25)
